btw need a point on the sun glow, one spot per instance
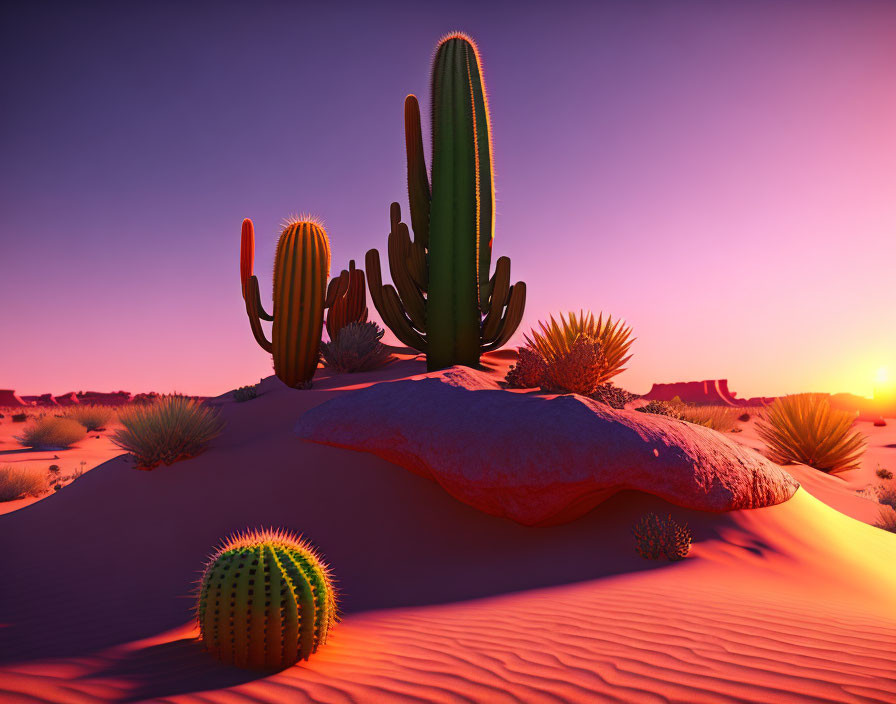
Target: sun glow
(882, 376)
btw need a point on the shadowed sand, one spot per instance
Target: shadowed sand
(795, 602)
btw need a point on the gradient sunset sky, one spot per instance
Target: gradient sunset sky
(720, 174)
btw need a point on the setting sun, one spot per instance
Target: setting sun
(882, 376)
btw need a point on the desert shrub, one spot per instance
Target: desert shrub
(91, 417)
(886, 494)
(887, 519)
(529, 370)
(721, 418)
(576, 370)
(612, 395)
(169, 429)
(51, 433)
(18, 482)
(245, 393)
(883, 473)
(803, 428)
(19, 417)
(357, 348)
(744, 417)
(555, 340)
(657, 538)
(661, 408)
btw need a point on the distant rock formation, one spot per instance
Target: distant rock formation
(542, 460)
(9, 399)
(709, 392)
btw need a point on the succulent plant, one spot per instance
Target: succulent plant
(612, 395)
(356, 348)
(266, 600)
(443, 302)
(576, 370)
(661, 408)
(556, 339)
(659, 538)
(348, 301)
(301, 293)
(805, 429)
(528, 371)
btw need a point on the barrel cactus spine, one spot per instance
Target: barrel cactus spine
(301, 272)
(266, 600)
(443, 302)
(350, 306)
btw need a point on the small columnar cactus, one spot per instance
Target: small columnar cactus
(266, 600)
(301, 294)
(348, 293)
(659, 538)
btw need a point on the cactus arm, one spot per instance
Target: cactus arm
(419, 196)
(500, 287)
(247, 253)
(388, 305)
(255, 313)
(336, 289)
(399, 247)
(513, 316)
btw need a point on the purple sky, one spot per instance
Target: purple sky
(720, 174)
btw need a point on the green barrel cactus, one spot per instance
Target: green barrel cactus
(443, 302)
(266, 600)
(301, 294)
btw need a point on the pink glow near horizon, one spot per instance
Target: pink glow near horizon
(723, 178)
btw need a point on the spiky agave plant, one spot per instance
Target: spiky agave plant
(266, 600)
(804, 429)
(556, 340)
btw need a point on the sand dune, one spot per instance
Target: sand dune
(794, 602)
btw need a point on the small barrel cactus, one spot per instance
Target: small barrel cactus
(266, 600)
(657, 538)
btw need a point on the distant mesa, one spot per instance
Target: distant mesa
(709, 392)
(9, 398)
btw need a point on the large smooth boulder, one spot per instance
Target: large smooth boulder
(542, 459)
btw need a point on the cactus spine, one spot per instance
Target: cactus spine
(350, 306)
(443, 302)
(266, 600)
(301, 270)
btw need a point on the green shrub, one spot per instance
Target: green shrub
(169, 429)
(245, 393)
(883, 473)
(357, 348)
(805, 429)
(657, 538)
(51, 433)
(18, 482)
(91, 417)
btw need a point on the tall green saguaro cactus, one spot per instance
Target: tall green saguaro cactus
(443, 302)
(301, 271)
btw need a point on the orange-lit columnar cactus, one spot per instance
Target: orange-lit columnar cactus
(301, 271)
(266, 600)
(351, 305)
